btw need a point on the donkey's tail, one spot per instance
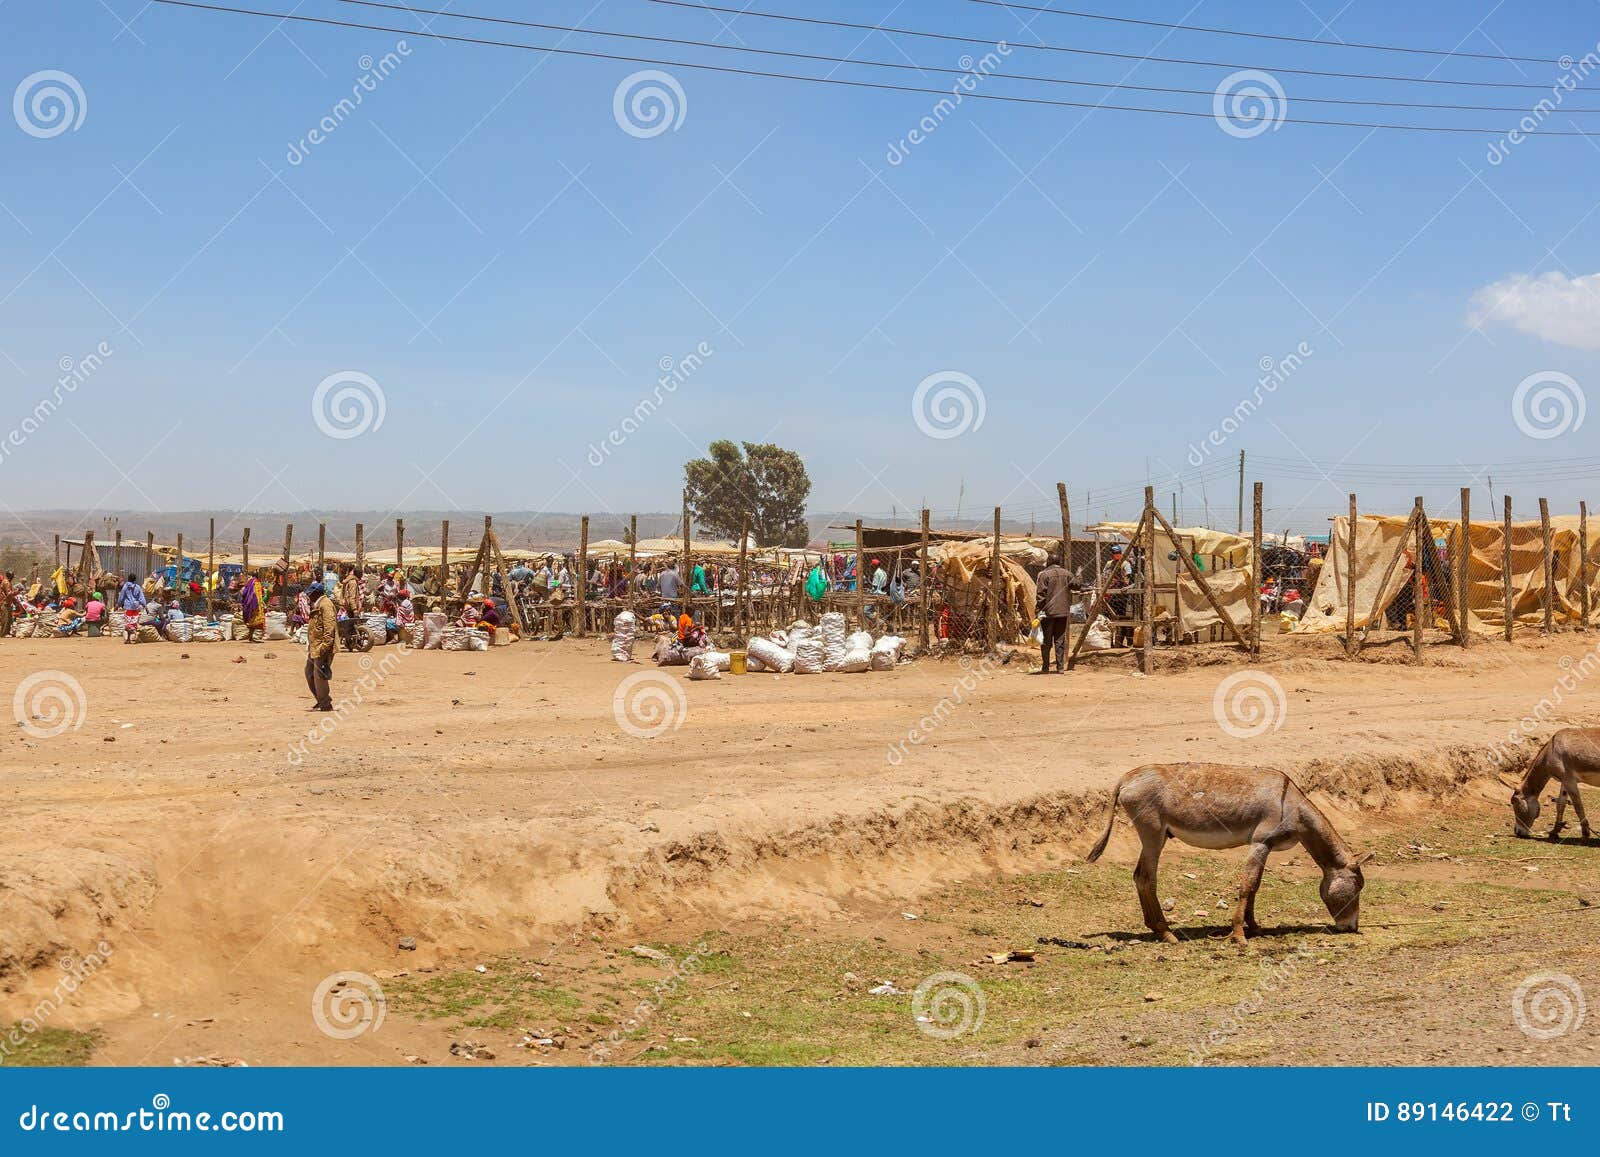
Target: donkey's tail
(1105, 836)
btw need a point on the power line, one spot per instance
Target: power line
(913, 67)
(835, 81)
(1451, 53)
(1134, 56)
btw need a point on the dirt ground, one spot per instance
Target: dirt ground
(488, 808)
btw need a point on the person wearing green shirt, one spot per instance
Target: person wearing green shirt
(697, 584)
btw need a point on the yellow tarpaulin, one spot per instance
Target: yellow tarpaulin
(1223, 558)
(1379, 537)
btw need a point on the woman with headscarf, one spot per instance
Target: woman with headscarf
(252, 607)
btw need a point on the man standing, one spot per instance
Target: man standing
(322, 635)
(1055, 611)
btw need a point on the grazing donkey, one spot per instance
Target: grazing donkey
(1571, 756)
(1212, 805)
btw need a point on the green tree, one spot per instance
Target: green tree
(762, 480)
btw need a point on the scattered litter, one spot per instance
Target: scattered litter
(884, 988)
(1168, 904)
(1152, 997)
(1029, 902)
(408, 944)
(1222, 903)
(1189, 876)
(1016, 955)
(479, 968)
(413, 1059)
(648, 953)
(472, 1050)
(211, 1062)
(1062, 942)
(909, 915)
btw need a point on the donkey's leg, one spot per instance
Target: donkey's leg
(1561, 808)
(1244, 913)
(1151, 840)
(1570, 789)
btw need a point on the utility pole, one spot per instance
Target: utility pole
(1239, 528)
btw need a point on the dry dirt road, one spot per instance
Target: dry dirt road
(229, 857)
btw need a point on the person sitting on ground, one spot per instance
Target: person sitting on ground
(1293, 605)
(489, 616)
(69, 618)
(469, 615)
(94, 614)
(690, 633)
(880, 578)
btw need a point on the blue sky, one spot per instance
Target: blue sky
(483, 240)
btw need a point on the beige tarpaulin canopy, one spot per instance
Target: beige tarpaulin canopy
(1379, 537)
(1223, 558)
(966, 565)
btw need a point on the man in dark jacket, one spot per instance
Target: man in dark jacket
(1054, 602)
(322, 636)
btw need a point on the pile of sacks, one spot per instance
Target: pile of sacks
(807, 651)
(464, 639)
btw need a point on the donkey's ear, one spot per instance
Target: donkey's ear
(1363, 858)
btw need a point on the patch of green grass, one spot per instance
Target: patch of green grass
(507, 996)
(48, 1048)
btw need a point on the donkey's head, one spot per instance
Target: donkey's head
(1524, 810)
(1341, 892)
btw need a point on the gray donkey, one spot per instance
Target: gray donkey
(1210, 805)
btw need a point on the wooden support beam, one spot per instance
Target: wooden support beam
(922, 578)
(1255, 578)
(1549, 565)
(1583, 563)
(1102, 586)
(116, 554)
(400, 548)
(245, 559)
(1147, 614)
(1352, 646)
(177, 571)
(211, 565)
(444, 566)
(1505, 571)
(1200, 580)
(1464, 570)
(861, 579)
(581, 579)
(322, 550)
(283, 586)
(996, 595)
(687, 564)
(740, 615)
(1420, 538)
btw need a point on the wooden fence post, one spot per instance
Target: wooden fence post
(246, 550)
(1505, 571)
(211, 564)
(117, 553)
(177, 572)
(1419, 528)
(993, 632)
(283, 587)
(444, 566)
(1352, 647)
(922, 578)
(633, 561)
(1066, 529)
(1255, 577)
(1549, 566)
(1147, 614)
(322, 550)
(1583, 561)
(149, 552)
(1464, 571)
(861, 578)
(687, 564)
(582, 578)
(400, 548)
(740, 613)
(361, 567)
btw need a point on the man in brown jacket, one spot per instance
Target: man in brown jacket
(322, 636)
(1054, 602)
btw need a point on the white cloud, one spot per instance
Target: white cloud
(1552, 306)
